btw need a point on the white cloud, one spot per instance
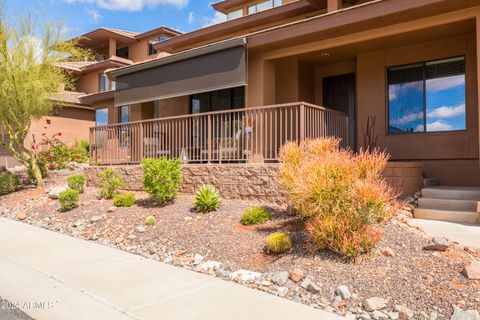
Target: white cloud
(447, 111)
(94, 15)
(191, 17)
(440, 84)
(395, 90)
(439, 126)
(132, 5)
(218, 17)
(407, 118)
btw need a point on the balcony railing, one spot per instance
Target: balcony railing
(251, 135)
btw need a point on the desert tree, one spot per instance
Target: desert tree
(30, 49)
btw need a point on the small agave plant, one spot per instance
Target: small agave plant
(207, 199)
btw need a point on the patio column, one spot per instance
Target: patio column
(112, 47)
(334, 5)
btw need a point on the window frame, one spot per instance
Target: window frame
(424, 83)
(240, 10)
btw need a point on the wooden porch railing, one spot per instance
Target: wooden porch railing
(240, 135)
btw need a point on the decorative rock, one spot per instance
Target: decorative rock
(343, 292)
(21, 215)
(282, 291)
(280, 278)
(79, 223)
(210, 265)
(472, 270)
(379, 315)
(460, 314)
(387, 251)
(439, 244)
(141, 229)
(95, 219)
(310, 286)
(55, 191)
(245, 275)
(393, 315)
(112, 209)
(425, 316)
(364, 316)
(374, 303)
(404, 313)
(197, 259)
(296, 275)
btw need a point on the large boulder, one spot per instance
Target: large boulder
(55, 191)
(472, 270)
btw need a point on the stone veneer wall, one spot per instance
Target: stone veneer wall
(254, 181)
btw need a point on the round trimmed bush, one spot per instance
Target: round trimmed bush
(207, 199)
(150, 221)
(76, 182)
(125, 199)
(278, 242)
(8, 183)
(255, 215)
(68, 200)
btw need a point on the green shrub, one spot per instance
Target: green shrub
(8, 183)
(76, 182)
(68, 200)
(278, 242)
(125, 199)
(341, 195)
(207, 199)
(150, 221)
(109, 183)
(255, 215)
(161, 178)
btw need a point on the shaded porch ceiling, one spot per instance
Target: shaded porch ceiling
(350, 52)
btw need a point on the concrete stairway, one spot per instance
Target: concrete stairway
(453, 204)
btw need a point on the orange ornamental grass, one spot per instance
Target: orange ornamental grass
(341, 195)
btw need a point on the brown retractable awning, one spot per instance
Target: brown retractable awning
(205, 69)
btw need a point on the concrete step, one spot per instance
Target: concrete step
(448, 204)
(430, 182)
(445, 215)
(455, 193)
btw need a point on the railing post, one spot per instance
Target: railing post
(302, 122)
(142, 145)
(209, 137)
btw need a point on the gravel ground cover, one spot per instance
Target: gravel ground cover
(409, 281)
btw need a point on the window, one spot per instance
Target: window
(156, 109)
(264, 5)
(151, 50)
(218, 100)
(101, 117)
(102, 82)
(427, 97)
(122, 53)
(124, 114)
(235, 14)
(113, 85)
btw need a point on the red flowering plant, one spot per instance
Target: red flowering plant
(55, 154)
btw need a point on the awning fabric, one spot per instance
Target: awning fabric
(216, 67)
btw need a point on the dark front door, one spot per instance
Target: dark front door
(339, 94)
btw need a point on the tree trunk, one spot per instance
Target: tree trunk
(36, 172)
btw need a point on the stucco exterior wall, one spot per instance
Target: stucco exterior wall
(372, 100)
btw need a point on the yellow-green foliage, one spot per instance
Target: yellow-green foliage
(207, 199)
(76, 182)
(109, 183)
(278, 242)
(30, 49)
(8, 183)
(161, 178)
(255, 215)
(150, 221)
(68, 200)
(125, 199)
(341, 195)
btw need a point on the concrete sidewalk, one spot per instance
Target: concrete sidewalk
(54, 276)
(464, 234)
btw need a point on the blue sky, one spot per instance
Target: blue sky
(81, 16)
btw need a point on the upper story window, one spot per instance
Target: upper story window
(427, 97)
(235, 14)
(151, 50)
(264, 5)
(122, 53)
(102, 82)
